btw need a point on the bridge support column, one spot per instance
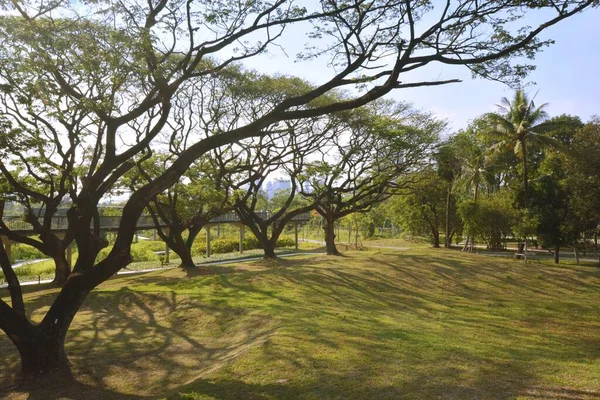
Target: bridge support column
(207, 240)
(7, 246)
(242, 238)
(296, 234)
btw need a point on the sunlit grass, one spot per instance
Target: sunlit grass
(43, 270)
(415, 324)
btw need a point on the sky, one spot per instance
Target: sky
(567, 76)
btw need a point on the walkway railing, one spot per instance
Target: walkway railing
(60, 223)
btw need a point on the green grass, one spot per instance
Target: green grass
(45, 269)
(416, 324)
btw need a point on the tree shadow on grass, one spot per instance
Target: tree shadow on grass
(337, 330)
(498, 380)
(125, 344)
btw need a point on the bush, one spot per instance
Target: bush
(141, 254)
(152, 245)
(199, 246)
(224, 245)
(25, 252)
(286, 242)
(251, 242)
(138, 253)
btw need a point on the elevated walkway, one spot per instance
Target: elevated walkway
(60, 225)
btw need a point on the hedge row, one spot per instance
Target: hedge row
(232, 244)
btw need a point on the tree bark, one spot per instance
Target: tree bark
(42, 353)
(185, 255)
(329, 227)
(525, 174)
(41, 347)
(556, 253)
(436, 239)
(62, 268)
(269, 250)
(448, 237)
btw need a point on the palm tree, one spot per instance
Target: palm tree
(520, 123)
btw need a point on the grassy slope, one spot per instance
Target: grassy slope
(418, 324)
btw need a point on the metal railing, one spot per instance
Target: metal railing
(60, 223)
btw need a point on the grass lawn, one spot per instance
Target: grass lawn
(416, 324)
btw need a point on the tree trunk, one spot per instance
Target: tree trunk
(42, 353)
(62, 268)
(269, 250)
(186, 258)
(180, 248)
(447, 238)
(42, 347)
(329, 227)
(556, 253)
(525, 173)
(576, 251)
(436, 239)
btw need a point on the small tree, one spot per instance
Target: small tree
(491, 218)
(421, 209)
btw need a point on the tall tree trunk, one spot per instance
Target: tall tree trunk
(185, 255)
(42, 347)
(436, 238)
(556, 253)
(525, 174)
(268, 246)
(42, 353)
(329, 228)
(269, 250)
(179, 246)
(448, 237)
(62, 268)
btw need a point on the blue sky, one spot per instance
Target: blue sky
(566, 77)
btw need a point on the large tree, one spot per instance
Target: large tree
(375, 155)
(583, 184)
(181, 211)
(275, 156)
(123, 62)
(520, 124)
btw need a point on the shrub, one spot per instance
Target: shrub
(138, 253)
(251, 242)
(142, 254)
(224, 245)
(199, 246)
(286, 242)
(25, 252)
(152, 245)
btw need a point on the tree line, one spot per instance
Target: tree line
(514, 173)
